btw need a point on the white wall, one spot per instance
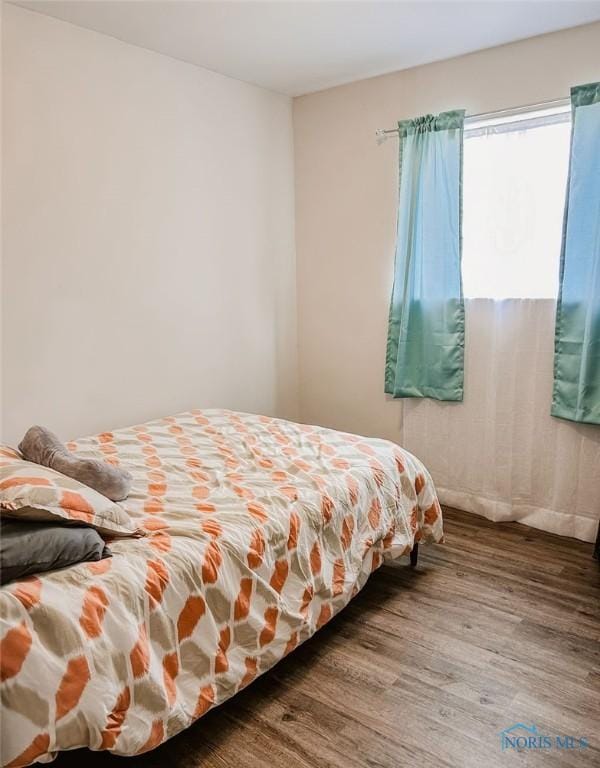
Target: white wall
(346, 207)
(148, 235)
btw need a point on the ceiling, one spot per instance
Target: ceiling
(297, 47)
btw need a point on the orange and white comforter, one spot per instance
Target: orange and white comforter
(259, 531)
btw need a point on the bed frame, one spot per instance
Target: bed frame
(414, 556)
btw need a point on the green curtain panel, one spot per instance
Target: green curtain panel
(577, 339)
(426, 332)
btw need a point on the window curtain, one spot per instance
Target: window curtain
(576, 394)
(500, 453)
(425, 346)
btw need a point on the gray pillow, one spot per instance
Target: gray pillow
(27, 548)
(41, 446)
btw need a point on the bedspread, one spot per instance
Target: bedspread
(259, 531)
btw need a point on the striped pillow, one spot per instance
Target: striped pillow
(32, 492)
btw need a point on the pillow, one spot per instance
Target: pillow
(43, 447)
(27, 548)
(31, 492)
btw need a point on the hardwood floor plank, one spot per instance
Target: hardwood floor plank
(425, 667)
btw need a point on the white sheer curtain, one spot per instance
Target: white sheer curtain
(499, 453)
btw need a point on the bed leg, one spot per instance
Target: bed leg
(414, 556)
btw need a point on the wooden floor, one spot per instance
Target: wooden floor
(499, 625)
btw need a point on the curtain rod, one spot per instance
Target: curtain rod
(383, 133)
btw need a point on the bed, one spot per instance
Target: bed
(259, 530)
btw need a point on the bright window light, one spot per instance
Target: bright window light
(514, 183)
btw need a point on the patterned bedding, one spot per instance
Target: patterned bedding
(259, 531)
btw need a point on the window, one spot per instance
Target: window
(514, 183)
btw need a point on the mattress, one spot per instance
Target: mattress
(258, 532)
